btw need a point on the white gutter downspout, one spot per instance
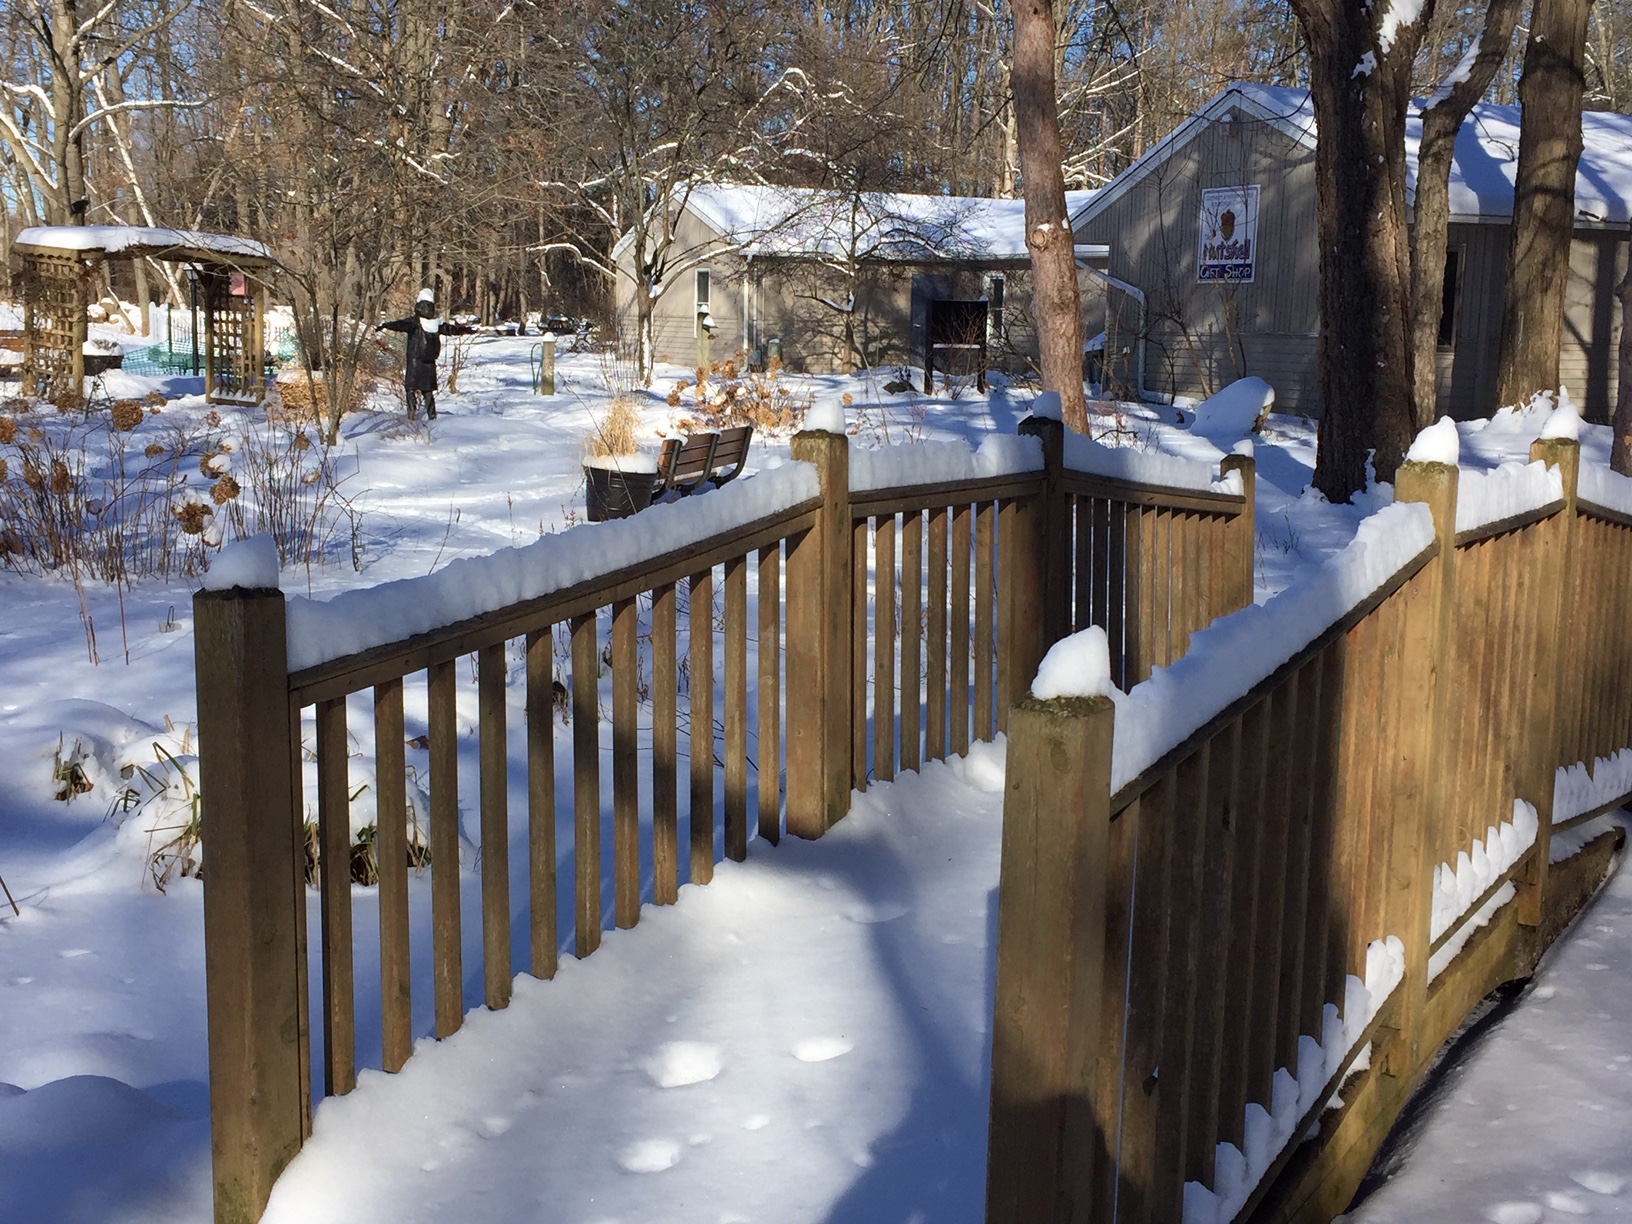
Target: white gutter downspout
(747, 305)
(1138, 295)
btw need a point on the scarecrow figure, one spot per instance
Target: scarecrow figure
(423, 330)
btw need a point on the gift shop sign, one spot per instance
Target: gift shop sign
(1229, 234)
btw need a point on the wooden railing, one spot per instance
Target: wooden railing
(1182, 983)
(958, 586)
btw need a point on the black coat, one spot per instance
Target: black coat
(424, 347)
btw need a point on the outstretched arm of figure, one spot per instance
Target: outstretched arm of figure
(398, 325)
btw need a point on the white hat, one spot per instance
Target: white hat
(425, 295)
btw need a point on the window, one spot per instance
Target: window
(994, 307)
(1450, 298)
(702, 288)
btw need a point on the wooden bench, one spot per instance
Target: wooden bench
(685, 464)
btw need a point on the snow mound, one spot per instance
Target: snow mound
(1076, 666)
(1046, 407)
(1439, 443)
(250, 563)
(679, 1063)
(825, 418)
(1145, 467)
(1513, 489)
(1235, 411)
(1481, 865)
(920, 463)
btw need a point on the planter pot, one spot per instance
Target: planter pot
(101, 363)
(611, 493)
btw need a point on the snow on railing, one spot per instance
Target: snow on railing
(1145, 467)
(891, 467)
(1601, 486)
(1237, 1172)
(1236, 652)
(1578, 789)
(1480, 866)
(1485, 497)
(357, 620)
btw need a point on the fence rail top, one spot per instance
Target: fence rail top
(1230, 659)
(1510, 492)
(1150, 468)
(900, 468)
(1605, 493)
(395, 612)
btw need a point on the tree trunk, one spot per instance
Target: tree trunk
(1365, 259)
(1620, 451)
(1442, 118)
(1538, 253)
(1048, 232)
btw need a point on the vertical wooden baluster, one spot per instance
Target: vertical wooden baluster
(447, 952)
(1249, 1023)
(391, 847)
(1271, 956)
(1182, 594)
(297, 814)
(1121, 860)
(912, 628)
(1481, 624)
(541, 899)
(1161, 586)
(1206, 1126)
(957, 700)
(935, 722)
(1148, 972)
(334, 837)
(625, 763)
(1082, 563)
(884, 635)
(1357, 718)
(1010, 687)
(586, 785)
(1322, 896)
(860, 530)
(665, 748)
(494, 777)
(700, 738)
(1119, 590)
(985, 606)
(1185, 940)
(736, 708)
(1301, 710)
(768, 656)
(1098, 562)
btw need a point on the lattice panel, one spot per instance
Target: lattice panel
(235, 369)
(54, 322)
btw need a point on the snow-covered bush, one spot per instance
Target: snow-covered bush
(727, 394)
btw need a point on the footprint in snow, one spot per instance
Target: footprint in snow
(1599, 1182)
(649, 1156)
(756, 1122)
(1514, 1213)
(821, 1049)
(678, 1063)
(876, 912)
(1567, 1204)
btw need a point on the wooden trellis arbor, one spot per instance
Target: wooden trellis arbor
(56, 265)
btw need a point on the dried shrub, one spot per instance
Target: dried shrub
(62, 482)
(127, 414)
(726, 395)
(68, 402)
(154, 450)
(8, 430)
(191, 516)
(154, 399)
(224, 490)
(298, 398)
(617, 433)
(14, 404)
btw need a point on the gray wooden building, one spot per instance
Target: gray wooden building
(785, 269)
(1212, 243)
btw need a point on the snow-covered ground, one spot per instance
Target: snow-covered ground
(804, 1039)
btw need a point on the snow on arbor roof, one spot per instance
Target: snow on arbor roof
(815, 222)
(142, 240)
(1482, 169)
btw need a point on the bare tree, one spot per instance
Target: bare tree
(1620, 451)
(1048, 231)
(1538, 253)
(1360, 63)
(1442, 117)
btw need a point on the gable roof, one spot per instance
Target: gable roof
(794, 222)
(1483, 166)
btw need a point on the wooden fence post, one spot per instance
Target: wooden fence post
(818, 645)
(1546, 749)
(1045, 1130)
(254, 897)
(1422, 782)
(1055, 558)
(1240, 537)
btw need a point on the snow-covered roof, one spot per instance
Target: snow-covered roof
(810, 221)
(1482, 169)
(142, 240)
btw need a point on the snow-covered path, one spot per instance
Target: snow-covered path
(802, 1039)
(1535, 1125)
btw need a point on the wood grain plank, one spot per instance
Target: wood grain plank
(586, 785)
(700, 733)
(541, 833)
(935, 664)
(884, 638)
(768, 677)
(736, 709)
(912, 640)
(391, 848)
(625, 763)
(493, 774)
(957, 696)
(334, 837)
(447, 948)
